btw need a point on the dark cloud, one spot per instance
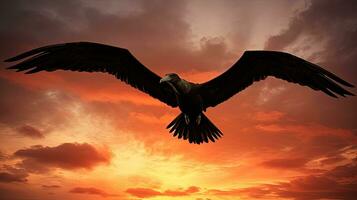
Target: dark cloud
(157, 34)
(30, 131)
(2, 156)
(316, 187)
(89, 190)
(9, 177)
(148, 192)
(328, 31)
(10, 174)
(345, 171)
(66, 156)
(319, 21)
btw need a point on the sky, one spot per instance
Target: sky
(71, 135)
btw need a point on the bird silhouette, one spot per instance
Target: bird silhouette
(192, 99)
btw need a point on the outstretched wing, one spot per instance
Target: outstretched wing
(257, 65)
(94, 57)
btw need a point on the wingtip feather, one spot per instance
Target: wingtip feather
(11, 67)
(9, 59)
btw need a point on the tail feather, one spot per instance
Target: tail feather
(195, 133)
(173, 122)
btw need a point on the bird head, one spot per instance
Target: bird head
(171, 78)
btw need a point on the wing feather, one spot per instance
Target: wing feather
(257, 65)
(94, 57)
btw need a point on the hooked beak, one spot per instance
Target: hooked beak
(165, 79)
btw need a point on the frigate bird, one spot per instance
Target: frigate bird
(191, 98)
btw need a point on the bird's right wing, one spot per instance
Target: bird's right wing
(94, 57)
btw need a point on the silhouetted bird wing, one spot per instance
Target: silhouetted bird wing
(257, 65)
(94, 57)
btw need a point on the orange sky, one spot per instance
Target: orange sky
(67, 135)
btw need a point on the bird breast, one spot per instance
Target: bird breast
(184, 86)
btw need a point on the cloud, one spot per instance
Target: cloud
(321, 16)
(186, 192)
(21, 192)
(268, 93)
(143, 192)
(2, 156)
(268, 116)
(148, 192)
(303, 129)
(322, 145)
(11, 174)
(285, 163)
(30, 131)
(157, 34)
(26, 110)
(65, 156)
(337, 183)
(332, 159)
(325, 33)
(50, 186)
(89, 190)
(255, 192)
(344, 171)
(306, 188)
(160, 29)
(316, 187)
(9, 177)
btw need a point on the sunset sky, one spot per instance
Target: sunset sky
(71, 135)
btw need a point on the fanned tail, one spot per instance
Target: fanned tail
(193, 132)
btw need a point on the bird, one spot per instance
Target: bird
(193, 99)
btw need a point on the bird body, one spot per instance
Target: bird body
(191, 98)
(191, 124)
(188, 98)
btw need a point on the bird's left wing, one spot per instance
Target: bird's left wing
(94, 57)
(257, 65)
